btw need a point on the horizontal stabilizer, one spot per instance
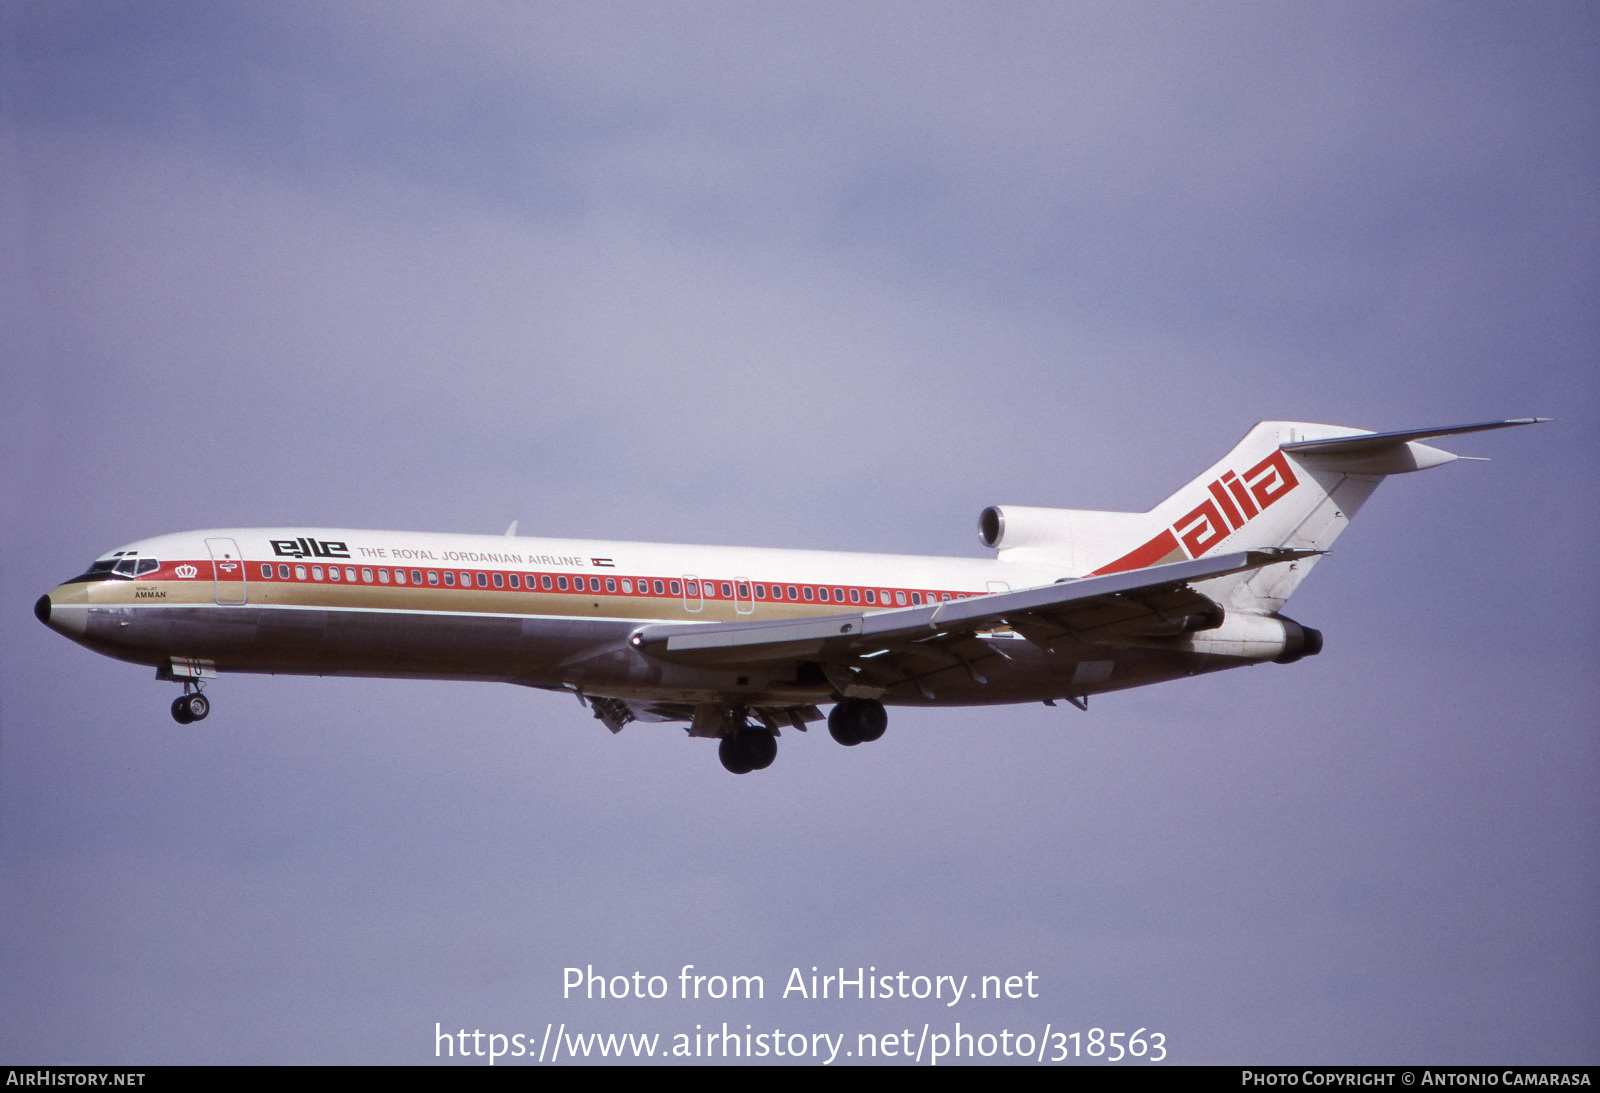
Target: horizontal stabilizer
(1373, 443)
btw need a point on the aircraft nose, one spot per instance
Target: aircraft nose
(55, 610)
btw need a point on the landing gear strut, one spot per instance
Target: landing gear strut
(188, 707)
(751, 748)
(857, 721)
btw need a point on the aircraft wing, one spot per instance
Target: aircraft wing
(1155, 600)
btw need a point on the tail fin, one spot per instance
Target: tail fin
(1286, 484)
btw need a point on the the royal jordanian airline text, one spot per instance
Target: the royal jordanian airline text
(405, 554)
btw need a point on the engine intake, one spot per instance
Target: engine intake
(991, 526)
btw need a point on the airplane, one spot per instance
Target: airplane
(742, 643)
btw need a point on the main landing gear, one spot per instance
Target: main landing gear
(857, 721)
(751, 748)
(746, 747)
(189, 707)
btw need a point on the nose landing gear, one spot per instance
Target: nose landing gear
(188, 707)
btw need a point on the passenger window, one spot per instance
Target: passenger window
(945, 597)
(561, 583)
(761, 591)
(499, 581)
(266, 571)
(806, 591)
(900, 598)
(366, 575)
(822, 594)
(383, 576)
(299, 572)
(659, 588)
(794, 593)
(483, 580)
(544, 582)
(349, 572)
(516, 581)
(916, 598)
(283, 572)
(450, 578)
(670, 584)
(694, 589)
(433, 576)
(611, 584)
(333, 573)
(727, 590)
(466, 580)
(316, 573)
(416, 576)
(627, 585)
(399, 576)
(872, 597)
(855, 595)
(838, 595)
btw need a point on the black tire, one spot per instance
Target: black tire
(760, 747)
(199, 706)
(842, 723)
(180, 710)
(733, 754)
(871, 720)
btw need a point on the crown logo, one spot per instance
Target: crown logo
(186, 571)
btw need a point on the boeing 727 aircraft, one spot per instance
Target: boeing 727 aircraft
(742, 643)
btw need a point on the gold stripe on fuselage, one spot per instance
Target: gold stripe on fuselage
(489, 601)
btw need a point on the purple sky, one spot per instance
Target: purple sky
(811, 275)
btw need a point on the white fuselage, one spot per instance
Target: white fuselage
(550, 613)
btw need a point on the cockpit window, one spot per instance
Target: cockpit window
(123, 566)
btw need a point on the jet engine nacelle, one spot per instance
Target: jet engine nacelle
(1075, 538)
(1258, 637)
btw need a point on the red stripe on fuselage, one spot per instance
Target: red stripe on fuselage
(1147, 555)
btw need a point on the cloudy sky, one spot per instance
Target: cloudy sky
(822, 275)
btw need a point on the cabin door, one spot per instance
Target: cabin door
(227, 567)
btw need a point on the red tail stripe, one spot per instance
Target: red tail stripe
(1147, 555)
